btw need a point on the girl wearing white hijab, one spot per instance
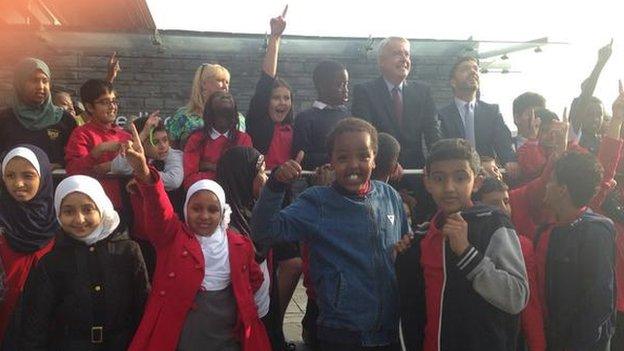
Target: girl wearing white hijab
(92, 287)
(206, 274)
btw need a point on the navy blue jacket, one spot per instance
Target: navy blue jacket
(351, 241)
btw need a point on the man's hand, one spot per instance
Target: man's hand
(102, 148)
(534, 123)
(560, 131)
(289, 171)
(455, 230)
(278, 24)
(133, 151)
(113, 67)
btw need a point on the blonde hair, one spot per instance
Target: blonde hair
(205, 71)
(382, 45)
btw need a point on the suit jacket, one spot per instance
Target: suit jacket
(493, 138)
(372, 102)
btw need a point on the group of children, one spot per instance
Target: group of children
(182, 250)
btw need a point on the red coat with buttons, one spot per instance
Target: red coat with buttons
(180, 272)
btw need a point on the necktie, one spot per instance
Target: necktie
(397, 102)
(469, 124)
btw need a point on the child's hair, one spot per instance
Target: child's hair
(546, 116)
(485, 159)
(453, 149)
(92, 89)
(387, 155)
(581, 174)
(280, 83)
(352, 124)
(527, 100)
(325, 72)
(196, 102)
(489, 185)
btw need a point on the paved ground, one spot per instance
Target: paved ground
(294, 314)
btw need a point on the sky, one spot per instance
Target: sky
(556, 72)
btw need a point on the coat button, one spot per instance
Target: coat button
(91, 249)
(161, 293)
(172, 275)
(184, 253)
(97, 288)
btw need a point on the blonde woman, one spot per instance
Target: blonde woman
(209, 78)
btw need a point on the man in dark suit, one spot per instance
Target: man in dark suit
(474, 120)
(404, 110)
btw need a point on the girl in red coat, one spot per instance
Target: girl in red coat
(205, 146)
(27, 223)
(203, 288)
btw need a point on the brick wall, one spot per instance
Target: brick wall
(157, 71)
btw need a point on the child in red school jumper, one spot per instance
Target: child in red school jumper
(93, 146)
(205, 146)
(463, 282)
(494, 192)
(27, 224)
(203, 289)
(575, 255)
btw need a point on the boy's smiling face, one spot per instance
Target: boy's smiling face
(450, 183)
(353, 160)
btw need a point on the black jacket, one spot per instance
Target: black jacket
(372, 102)
(483, 290)
(579, 283)
(75, 289)
(493, 138)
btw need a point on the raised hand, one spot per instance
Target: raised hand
(278, 24)
(113, 67)
(455, 230)
(560, 131)
(102, 148)
(605, 52)
(151, 122)
(290, 170)
(534, 124)
(133, 151)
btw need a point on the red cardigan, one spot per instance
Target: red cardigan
(180, 272)
(211, 152)
(531, 318)
(17, 266)
(79, 161)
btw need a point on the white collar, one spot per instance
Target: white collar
(461, 103)
(321, 105)
(214, 134)
(392, 86)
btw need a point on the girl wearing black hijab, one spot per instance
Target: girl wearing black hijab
(27, 220)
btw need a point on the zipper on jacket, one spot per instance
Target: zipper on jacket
(377, 264)
(442, 295)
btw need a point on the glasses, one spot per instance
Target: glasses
(107, 102)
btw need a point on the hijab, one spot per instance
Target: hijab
(214, 246)
(29, 226)
(236, 171)
(33, 117)
(93, 189)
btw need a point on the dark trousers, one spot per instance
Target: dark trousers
(617, 342)
(330, 346)
(308, 324)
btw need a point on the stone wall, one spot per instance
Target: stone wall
(157, 71)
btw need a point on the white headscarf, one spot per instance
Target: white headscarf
(22, 152)
(214, 246)
(93, 189)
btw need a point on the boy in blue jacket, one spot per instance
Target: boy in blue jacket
(351, 228)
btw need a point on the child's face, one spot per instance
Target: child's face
(223, 106)
(64, 101)
(450, 183)
(21, 179)
(79, 215)
(259, 180)
(555, 193)
(353, 160)
(280, 104)
(159, 150)
(337, 91)
(203, 213)
(498, 199)
(104, 109)
(491, 169)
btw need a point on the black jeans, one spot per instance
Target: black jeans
(330, 346)
(617, 341)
